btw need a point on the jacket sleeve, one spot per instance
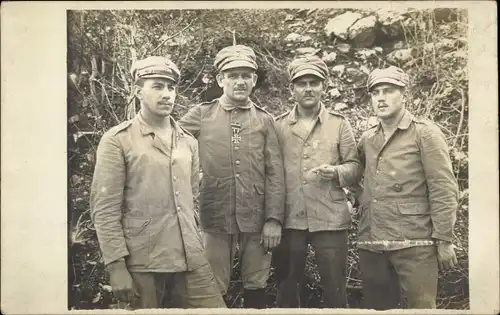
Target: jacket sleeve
(195, 169)
(191, 121)
(357, 187)
(275, 175)
(441, 183)
(350, 168)
(195, 175)
(106, 198)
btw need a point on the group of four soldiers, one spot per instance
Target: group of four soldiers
(269, 187)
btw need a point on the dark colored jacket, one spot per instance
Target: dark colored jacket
(243, 179)
(409, 190)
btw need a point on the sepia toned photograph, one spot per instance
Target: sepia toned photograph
(258, 159)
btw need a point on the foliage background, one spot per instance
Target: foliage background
(431, 45)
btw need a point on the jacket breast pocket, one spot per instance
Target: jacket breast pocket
(415, 220)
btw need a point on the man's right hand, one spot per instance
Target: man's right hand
(121, 282)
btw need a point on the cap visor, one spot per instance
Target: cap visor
(238, 64)
(386, 80)
(150, 76)
(308, 71)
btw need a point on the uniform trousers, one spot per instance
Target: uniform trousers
(388, 275)
(254, 261)
(330, 250)
(189, 289)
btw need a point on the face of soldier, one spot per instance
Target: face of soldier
(237, 83)
(307, 90)
(157, 96)
(387, 100)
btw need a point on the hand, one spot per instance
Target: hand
(446, 256)
(327, 172)
(271, 234)
(121, 282)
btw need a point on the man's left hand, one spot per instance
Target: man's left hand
(327, 172)
(271, 234)
(446, 256)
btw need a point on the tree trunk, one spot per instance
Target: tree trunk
(93, 90)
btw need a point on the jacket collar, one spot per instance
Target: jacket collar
(292, 117)
(403, 124)
(226, 104)
(147, 129)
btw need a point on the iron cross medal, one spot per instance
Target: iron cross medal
(236, 138)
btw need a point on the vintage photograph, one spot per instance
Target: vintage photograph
(259, 159)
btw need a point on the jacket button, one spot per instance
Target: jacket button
(237, 175)
(305, 156)
(178, 208)
(397, 188)
(177, 193)
(236, 148)
(237, 162)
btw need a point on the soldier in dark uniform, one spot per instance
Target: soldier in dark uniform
(320, 160)
(408, 203)
(242, 189)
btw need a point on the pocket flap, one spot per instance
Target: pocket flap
(259, 190)
(136, 223)
(413, 208)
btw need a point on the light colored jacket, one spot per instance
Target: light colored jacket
(243, 178)
(312, 203)
(142, 198)
(409, 190)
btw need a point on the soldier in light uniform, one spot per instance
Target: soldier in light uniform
(320, 159)
(146, 176)
(408, 203)
(242, 189)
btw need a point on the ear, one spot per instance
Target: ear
(138, 92)
(324, 84)
(254, 79)
(291, 87)
(219, 77)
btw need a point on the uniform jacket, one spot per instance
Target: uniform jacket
(142, 198)
(312, 203)
(243, 180)
(410, 192)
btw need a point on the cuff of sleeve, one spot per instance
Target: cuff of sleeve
(341, 176)
(115, 256)
(273, 217)
(441, 237)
